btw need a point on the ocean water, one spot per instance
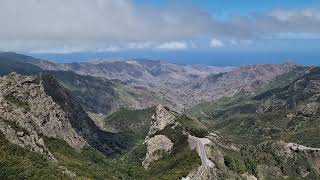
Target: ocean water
(188, 57)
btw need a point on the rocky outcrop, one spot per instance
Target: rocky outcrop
(27, 114)
(310, 109)
(36, 107)
(158, 145)
(161, 119)
(106, 142)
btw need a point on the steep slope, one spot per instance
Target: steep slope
(181, 85)
(146, 72)
(43, 124)
(246, 78)
(134, 122)
(99, 95)
(146, 83)
(11, 62)
(165, 79)
(255, 131)
(162, 149)
(28, 113)
(43, 121)
(41, 107)
(275, 110)
(168, 153)
(96, 95)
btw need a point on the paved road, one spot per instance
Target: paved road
(203, 156)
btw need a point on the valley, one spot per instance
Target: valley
(159, 90)
(144, 119)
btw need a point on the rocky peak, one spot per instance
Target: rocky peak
(27, 114)
(33, 108)
(106, 142)
(161, 118)
(158, 144)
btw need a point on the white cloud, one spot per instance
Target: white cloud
(215, 43)
(75, 25)
(111, 48)
(173, 46)
(56, 23)
(291, 15)
(142, 45)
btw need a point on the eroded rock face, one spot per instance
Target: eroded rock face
(27, 114)
(161, 119)
(157, 146)
(310, 109)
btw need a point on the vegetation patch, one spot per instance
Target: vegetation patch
(180, 162)
(17, 102)
(249, 158)
(92, 164)
(194, 127)
(19, 163)
(16, 127)
(134, 123)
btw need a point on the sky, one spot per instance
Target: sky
(214, 32)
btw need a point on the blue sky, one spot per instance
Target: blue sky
(177, 30)
(227, 7)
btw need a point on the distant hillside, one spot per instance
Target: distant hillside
(180, 86)
(96, 95)
(255, 131)
(278, 110)
(104, 120)
(11, 62)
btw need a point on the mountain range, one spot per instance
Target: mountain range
(144, 119)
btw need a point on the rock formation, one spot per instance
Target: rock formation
(158, 145)
(28, 114)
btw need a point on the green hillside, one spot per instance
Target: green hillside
(286, 110)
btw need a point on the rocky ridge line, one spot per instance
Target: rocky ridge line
(27, 114)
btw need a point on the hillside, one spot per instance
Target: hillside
(261, 127)
(165, 80)
(180, 86)
(41, 121)
(11, 62)
(258, 121)
(96, 95)
(246, 78)
(42, 124)
(105, 86)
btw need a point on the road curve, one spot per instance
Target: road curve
(203, 156)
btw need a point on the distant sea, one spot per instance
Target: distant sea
(186, 57)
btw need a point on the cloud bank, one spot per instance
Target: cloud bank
(86, 25)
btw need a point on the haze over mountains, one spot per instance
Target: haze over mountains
(179, 86)
(134, 119)
(189, 57)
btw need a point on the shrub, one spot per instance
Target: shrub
(17, 102)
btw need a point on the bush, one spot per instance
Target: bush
(17, 102)
(194, 127)
(234, 164)
(19, 163)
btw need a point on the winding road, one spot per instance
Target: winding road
(205, 162)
